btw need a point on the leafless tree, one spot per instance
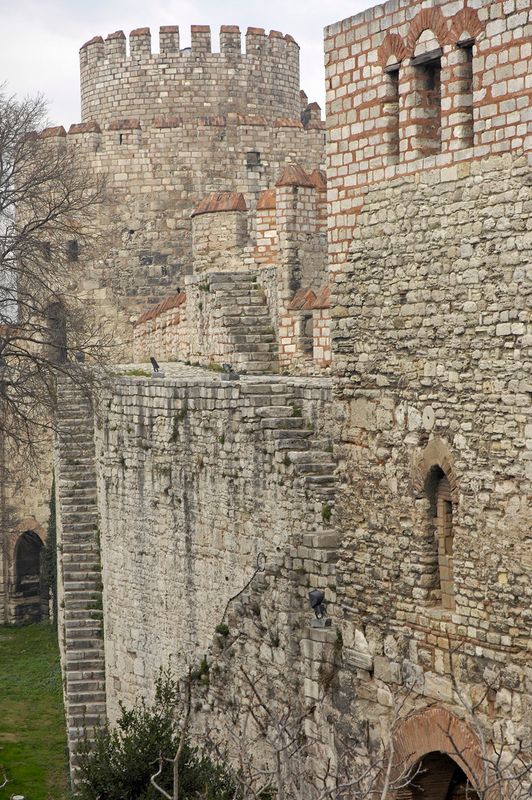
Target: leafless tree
(271, 754)
(5, 779)
(176, 760)
(506, 766)
(261, 735)
(48, 202)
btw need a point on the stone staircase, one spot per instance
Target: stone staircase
(291, 439)
(304, 458)
(81, 616)
(243, 311)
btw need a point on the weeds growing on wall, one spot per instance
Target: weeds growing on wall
(118, 765)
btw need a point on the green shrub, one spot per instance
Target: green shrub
(222, 629)
(120, 761)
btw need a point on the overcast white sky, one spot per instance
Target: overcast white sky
(41, 38)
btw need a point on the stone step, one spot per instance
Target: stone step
(83, 666)
(250, 326)
(262, 388)
(292, 434)
(309, 456)
(250, 338)
(82, 615)
(289, 444)
(283, 423)
(81, 634)
(273, 411)
(92, 697)
(318, 480)
(258, 347)
(85, 676)
(89, 643)
(232, 277)
(241, 311)
(75, 587)
(79, 530)
(314, 468)
(252, 368)
(76, 551)
(80, 565)
(83, 543)
(244, 295)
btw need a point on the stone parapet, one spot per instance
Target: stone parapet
(193, 80)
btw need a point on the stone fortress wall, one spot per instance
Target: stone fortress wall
(430, 249)
(403, 495)
(167, 129)
(200, 123)
(258, 297)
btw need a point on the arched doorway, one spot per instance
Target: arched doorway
(443, 755)
(438, 777)
(28, 597)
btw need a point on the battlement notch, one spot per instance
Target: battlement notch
(263, 79)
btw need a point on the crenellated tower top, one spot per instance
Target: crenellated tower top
(118, 82)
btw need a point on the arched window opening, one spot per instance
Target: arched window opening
(427, 86)
(438, 491)
(28, 577)
(437, 777)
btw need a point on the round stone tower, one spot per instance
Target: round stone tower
(165, 129)
(193, 81)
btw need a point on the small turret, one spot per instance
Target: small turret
(219, 232)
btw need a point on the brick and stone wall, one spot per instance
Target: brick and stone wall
(429, 190)
(262, 314)
(219, 232)
(381, 111)
(431, 375)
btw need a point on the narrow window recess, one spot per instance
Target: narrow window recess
(253, 159)
(72, 250)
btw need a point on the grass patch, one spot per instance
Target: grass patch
(32, 723)
(137, 373)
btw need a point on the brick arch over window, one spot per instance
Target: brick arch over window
(435, 454)
(466, 22)
(427, 19)
(437, 730)
(392, 45)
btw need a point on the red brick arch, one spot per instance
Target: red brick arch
(465, 21)
(427, 19)
(392, 45)
(436, 454)
(437, 730)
